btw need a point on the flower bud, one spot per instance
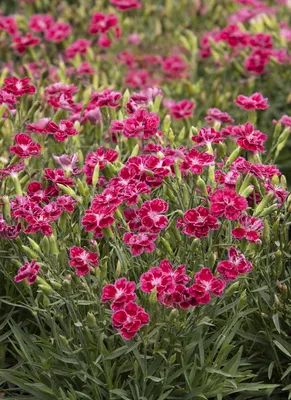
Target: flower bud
(95, 176)
(278, 263)
(242, 300)
(166, 124)
(69, 191)
(266, 232)
(231, 289)
(268, 210)
(135, 151)
(234, 155)
(45, 246)
(211, 260)
(249, 190)
(166, 246)
(30, 253)
(64, 340)
(262, 205)
(34, 245)
(91, 320)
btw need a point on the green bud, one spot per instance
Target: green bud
(30, 253)
(234, 155)
(91, 320)
(231, 289)
(135, 151)
(95, 176)
(211, 260)
(64, 340)
(166, 246)
(45, 289)
(278, 263)
(202, 186)
(36, 106)
(245, 183)
(166, 124)
(263, 203)
(34, 245)
(178, 172)
(266, 232)
(53, 245)
(242, 300)
(69, 191)
(56, 285)
(6, 208)
(195, 245)
(249, 190)
(44, 244)
(125, 98)
(268, 210)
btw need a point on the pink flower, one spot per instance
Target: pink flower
(61, 88)
(40, 22)
(195, 161)
(8, 24)
(233, 35)
(40, 126)
(58, 32)
(235, 265)
(63, 101)
(125, 5)
(163, 278)
(107, 98)
(198, 222)
(150, 215)
(28, 271)
(207, 136)
(101, 23)
(227, 203)
(57, 176)
(130, 320)
(182, 109)
(96, 219)
(21, 43)
(279, 193)
(206, 283)
(285, 120)
(140, 243)
(174, 67)
(80, 46)
(18, 87)
(134, 38)
(121, 293)
(25, 147)
(66, 203)
(101, 156)
(262, 41)
(250, 228)
(142, 124)
(62, 131)
(67, 162)
(257, 61)
(255, 102)
(250, 139)
(215, 115)
(82, 260)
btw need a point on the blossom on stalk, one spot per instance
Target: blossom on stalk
(140, 243)
(250, 228)
(130, 320)
(125, 5)
(249, 138)
(182, 109)
(40, 22)
(18, 87)
(227, 203)
(195, 161)
(58, 32)
(82, 260)
(197, 222)
(205, 284)
(215, 115)
(28, 271)
(25, 147)
(254, 102)
(121, 293)
(21, 43)
(235, 265)
(150, 215)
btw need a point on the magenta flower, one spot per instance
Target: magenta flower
(227, 203)
(250, 228)
(18, 87)
(195, 161)
(140, 243)
(28, 271)
(25, 147)
(150, 215)
(182, 109)
(198, 222)
(255, 102)
(130, 320)
(82, 260)
(121, 293)
(40, 22)
(205, 284)
(235, 265)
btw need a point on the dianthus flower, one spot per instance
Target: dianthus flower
(235, 265)
(249, 138)
(250, 228)
(125, 5)
(140, 243)
(21, 43)
(198, 222)
(82, 260)
(195, 161)
(58, 32)
(254, 102)
(215, 115)
(25, 147)
(40, 22)
(18, 87)
(227, 203)
(182, 109)
(150, 215)
(28, 271)
(121, 293)
(62, 131)
(107, 98)
(205, 284)
(130, 320)
(141, 124)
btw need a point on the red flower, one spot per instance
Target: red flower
(107, 98)
(21, 43)
(57, 176)
(40, 126)
(207, 136)
(28, 271)
(257, 61)
(63, 101)
(40, 22)
(195, 161)
(181, 297)
(142, 124)
(250, 228)
(130, 320)
(62, 131)
(122, 293)
(61, 88)
(255, 102)
(250, 139)
(175, 67)
(79, 46)
(206, 283)
(182, 109)
(233, 35)
(285, 120)
(98, 218)
(235, 265)
(25, 147)
(18, 87)
(150, 215)
(101, 23)
(124, 5)
(215, 115)
(142, 242)
(198, 222)
(58, 32)
(280, 194)
(82, 260)
(101, 156)
(163, 278)
(227, 203)
(66, 203)
(8, 24)
(262, 41)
